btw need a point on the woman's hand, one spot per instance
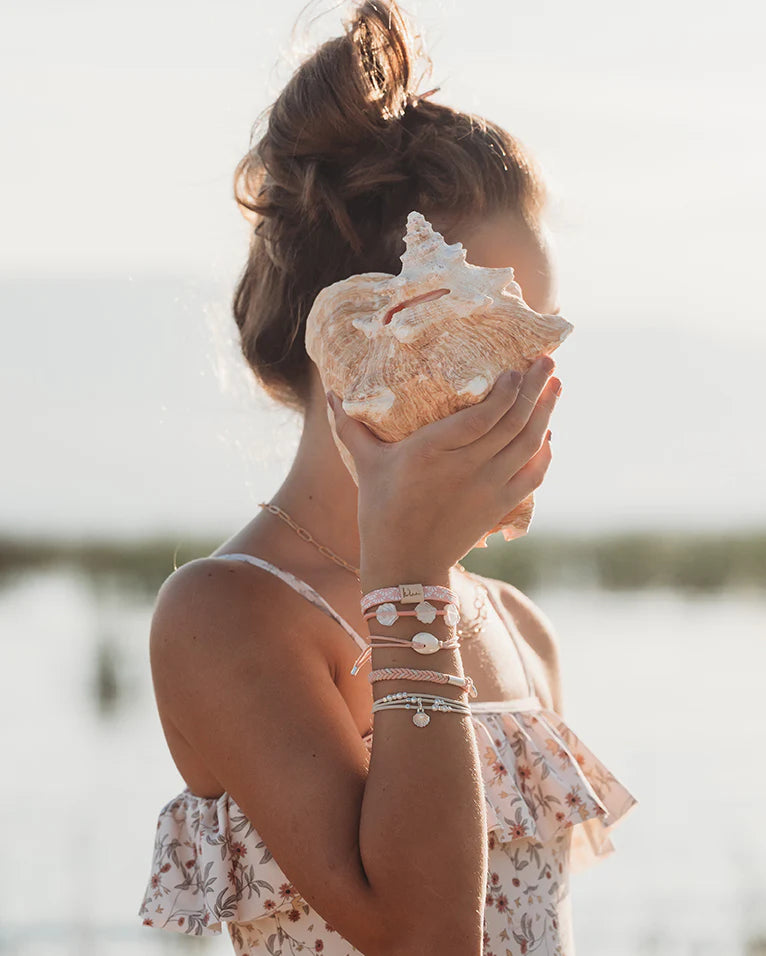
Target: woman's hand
(424, 501)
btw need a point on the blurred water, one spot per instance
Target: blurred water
(665, 689)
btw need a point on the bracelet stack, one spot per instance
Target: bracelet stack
(386, 613)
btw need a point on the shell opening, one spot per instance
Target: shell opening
(436, 294)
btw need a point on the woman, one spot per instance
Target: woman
(294, 828)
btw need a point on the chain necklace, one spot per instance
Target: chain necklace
(464, 630)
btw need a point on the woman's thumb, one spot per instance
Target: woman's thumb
(355, 435)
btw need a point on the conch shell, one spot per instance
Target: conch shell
(403, 351)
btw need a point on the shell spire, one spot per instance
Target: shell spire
(403, 351)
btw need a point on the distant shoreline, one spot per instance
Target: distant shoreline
(615, 561)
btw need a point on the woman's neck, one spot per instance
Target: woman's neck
(319, 494)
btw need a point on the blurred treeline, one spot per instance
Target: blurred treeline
(614, 561)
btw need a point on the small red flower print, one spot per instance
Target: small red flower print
(547, 874)
(523, 947)
(491, 841)
(294, 915)
(318, 945)
(516, 881)
(238, 850)
(180, 921)
(486, 938)
(490, 900)
(555, 923)
(495, 878)
(206, 919)
(165, 868)
(499, 769)
(232, 874)
(285, 890)
(572, 798)
(560, 816)
(329, 928)
(155, 880)
(518, 830)
(269, 904)
(148, 922)
(524, 772)
(502, 903)
(189, 864)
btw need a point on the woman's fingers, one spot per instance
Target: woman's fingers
(515, 419)
(470, 425)
(527, 478)
(530, 439)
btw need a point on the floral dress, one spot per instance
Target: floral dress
(550, 804)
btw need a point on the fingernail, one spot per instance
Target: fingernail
(557, 386)
(546, 363)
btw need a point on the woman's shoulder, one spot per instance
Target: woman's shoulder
(219, 604)
(535, 627)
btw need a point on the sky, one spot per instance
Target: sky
(126, 408)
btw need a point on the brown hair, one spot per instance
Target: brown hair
(348, 152)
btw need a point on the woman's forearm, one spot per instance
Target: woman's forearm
(422, 835)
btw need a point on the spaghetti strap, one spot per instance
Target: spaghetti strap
(302, 587)
(511, 628)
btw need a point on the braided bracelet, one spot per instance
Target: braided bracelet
(423, 642)
(412, 673)
(405, 701)
(388, 614)
(409, 594)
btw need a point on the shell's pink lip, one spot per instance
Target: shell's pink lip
(436, 294)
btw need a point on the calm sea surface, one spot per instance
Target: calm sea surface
(666, 690)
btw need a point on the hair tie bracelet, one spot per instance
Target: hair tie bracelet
(412, 673)
(409, 594)
(404, 701)
(388, 614)
(422, 642)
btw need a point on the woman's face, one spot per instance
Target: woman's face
(506, 240)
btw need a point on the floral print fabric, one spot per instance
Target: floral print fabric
(550, 807)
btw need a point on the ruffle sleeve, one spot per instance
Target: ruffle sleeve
(209, 865)
(540, 778)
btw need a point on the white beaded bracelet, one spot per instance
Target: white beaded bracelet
(406, 701)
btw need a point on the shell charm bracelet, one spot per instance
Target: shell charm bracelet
(423, 642)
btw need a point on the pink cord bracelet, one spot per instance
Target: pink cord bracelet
(422, 642)
(388, 614)
(411, 673)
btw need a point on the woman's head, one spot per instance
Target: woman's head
(349, 150)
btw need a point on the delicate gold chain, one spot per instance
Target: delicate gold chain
(475, 627)
(302, 533)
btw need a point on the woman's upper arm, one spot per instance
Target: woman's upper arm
(236, 669)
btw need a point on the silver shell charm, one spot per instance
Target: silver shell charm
(451, 615)
(425, 613)
(421, 719)
(425, 643)
(387, 614)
